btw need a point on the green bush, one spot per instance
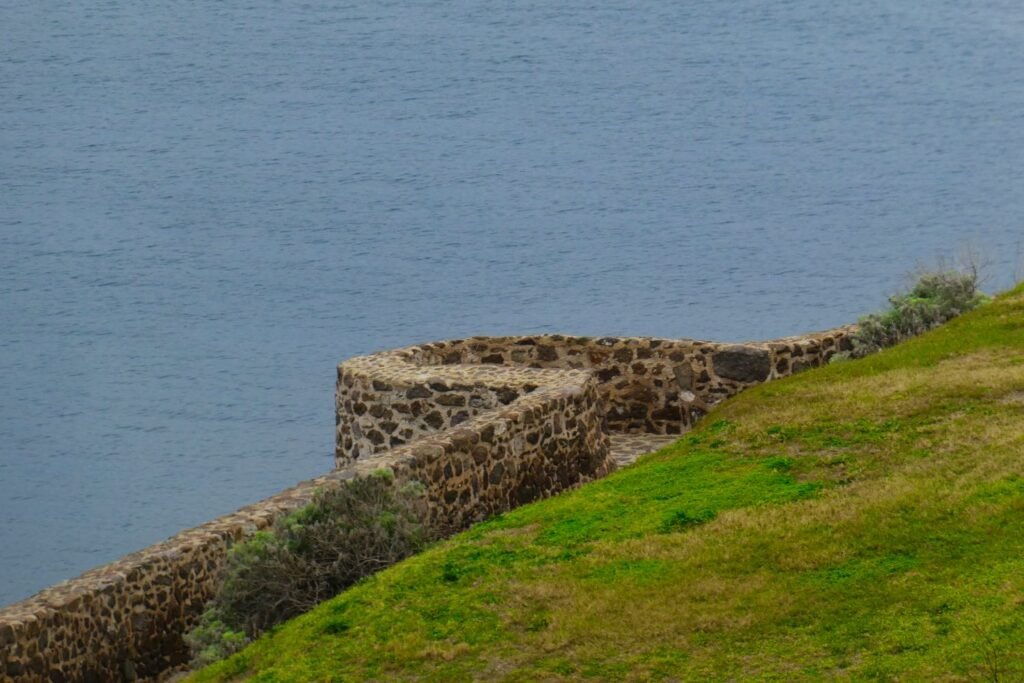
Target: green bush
(211, 640)
(311, 555)
(935, 298)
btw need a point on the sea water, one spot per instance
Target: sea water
(205, 206)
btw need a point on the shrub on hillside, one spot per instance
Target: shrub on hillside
(935, 298)
(212, 640)
(344, 535)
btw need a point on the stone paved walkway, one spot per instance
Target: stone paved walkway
(626, 448)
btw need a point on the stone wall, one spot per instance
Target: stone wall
(125, 620)
(485, 424)
(657, 386)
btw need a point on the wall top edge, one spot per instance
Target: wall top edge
(405, 353)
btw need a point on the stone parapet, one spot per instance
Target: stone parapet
(647, 385)
(125, 621)
(385, 400)
(485, 424)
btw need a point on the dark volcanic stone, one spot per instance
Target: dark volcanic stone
(526, 493)
(800, 366)
(743, 364)
(497, 474)
(668, 413)
(637, 410)
(547, 353)
(418, 391)
(487, 435)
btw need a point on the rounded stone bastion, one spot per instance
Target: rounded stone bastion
(643, 385)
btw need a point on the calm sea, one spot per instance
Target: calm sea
(205, 206)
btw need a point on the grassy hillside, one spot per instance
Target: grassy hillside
(862, 521)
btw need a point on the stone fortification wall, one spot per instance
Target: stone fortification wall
(657, 386)
(538, 445)
(125, 620)
(485, 424)
(389, 399)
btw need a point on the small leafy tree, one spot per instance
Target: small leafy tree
(311, 555)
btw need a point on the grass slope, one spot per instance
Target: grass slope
(864, 521)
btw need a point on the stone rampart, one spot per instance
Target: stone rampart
(125, 620)
(655, 386)
(485, 424)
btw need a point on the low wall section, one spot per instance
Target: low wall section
(125, 621)
(485, 424)
(657, 386)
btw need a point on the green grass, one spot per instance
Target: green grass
(864, 521)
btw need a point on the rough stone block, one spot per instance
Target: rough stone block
(743, 364)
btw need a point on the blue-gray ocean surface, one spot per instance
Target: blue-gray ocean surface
(205, 206)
